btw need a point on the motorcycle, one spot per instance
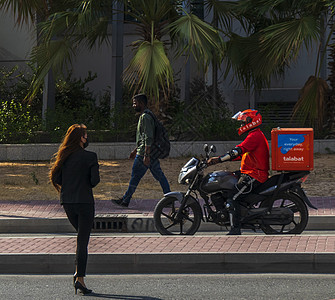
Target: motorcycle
(277, 206)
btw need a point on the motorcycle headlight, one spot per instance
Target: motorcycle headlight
(188, 171)
(186, 175)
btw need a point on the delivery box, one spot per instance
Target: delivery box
(292, 149)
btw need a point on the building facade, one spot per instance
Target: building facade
(17, 42)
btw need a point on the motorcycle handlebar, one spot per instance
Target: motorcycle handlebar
(203, 165)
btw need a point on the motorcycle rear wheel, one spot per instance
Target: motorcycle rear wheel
(299, 208)
(165, 213)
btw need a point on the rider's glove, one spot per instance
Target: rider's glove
(213, 161)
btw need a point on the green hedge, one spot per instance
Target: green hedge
(204, 118)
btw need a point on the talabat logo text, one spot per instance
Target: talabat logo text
(293, 158)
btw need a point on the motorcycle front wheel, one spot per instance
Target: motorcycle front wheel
(165, 217)
(296, 205)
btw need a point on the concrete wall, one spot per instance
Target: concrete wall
(21, 152)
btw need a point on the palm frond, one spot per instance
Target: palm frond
(54, 55)
(260, 56)
(62, 33)
(150, 69)
(81, 25)
(309, 109)
(24, 10)
(242, 58)
(225, 11)
(149, 10)
(288, 37)
(197, 37)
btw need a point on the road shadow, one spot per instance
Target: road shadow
(121, 297)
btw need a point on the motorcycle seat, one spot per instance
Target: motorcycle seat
(273, 180)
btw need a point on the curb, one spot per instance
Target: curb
(121, 150)
(132, 223)
(171, 263)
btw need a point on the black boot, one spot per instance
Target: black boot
(234, 231)
(234, 218)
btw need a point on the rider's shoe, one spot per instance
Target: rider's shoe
(234, 231)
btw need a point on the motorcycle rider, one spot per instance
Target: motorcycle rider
(254, 155)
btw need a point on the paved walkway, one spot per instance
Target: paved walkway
(171, 254)
(153, 253)
(171, 244)
(52, 208)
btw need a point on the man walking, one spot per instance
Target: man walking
(141, 154)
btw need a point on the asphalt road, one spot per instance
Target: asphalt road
(154, 287)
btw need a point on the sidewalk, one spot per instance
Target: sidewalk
(171, 254)
(49, 216)
(153, 253)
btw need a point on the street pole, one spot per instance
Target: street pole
(117, 54)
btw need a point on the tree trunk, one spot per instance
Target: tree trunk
(117, 54)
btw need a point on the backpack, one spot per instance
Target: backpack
(160, 148)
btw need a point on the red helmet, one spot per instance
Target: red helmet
(250, 119)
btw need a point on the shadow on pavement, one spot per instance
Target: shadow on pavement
(121, 297)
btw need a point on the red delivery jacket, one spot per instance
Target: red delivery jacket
(255, 155)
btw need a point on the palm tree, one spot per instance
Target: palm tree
(330, 103)
(275, 34)
(31, 12)
(160, 25)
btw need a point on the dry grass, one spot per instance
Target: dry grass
(29, 180)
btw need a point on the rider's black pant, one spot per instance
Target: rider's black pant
(247, 183)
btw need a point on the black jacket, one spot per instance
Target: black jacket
(78, 175)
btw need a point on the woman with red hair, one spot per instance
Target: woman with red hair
(74, 173)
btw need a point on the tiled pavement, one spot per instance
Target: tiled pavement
(171, 254)
(152, 253)
(52, 208)
(141, 244)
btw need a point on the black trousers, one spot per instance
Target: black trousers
(81, 216)
(244, 182)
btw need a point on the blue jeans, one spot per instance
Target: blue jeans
(138, 171)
